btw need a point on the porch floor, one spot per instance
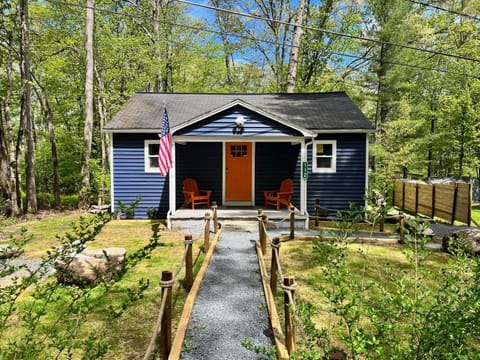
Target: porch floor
(234, 213)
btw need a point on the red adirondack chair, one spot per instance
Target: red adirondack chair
(281, 196)
(193, 195)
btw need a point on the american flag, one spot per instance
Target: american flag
(165, 148)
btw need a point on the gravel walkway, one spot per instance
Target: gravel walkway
(230, 306)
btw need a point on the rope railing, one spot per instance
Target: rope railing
(287, 283)
(162, 332)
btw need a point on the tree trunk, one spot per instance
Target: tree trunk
(15, 200)
(158, 51)
(224, 22)
(48, 114)
(5, 189)
(295, 49)
(26, 113)
(102, 108)
(430, 145)
(83, 197)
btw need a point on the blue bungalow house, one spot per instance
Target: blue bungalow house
(238, 146)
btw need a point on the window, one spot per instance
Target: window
(324, 156)
(151, 155)
(238, 151)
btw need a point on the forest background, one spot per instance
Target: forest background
(413, 67)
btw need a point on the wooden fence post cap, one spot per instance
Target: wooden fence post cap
(276, 240)
(214, 204)
(260, 211)
(207, 215)
(167, 275)
(188, 237)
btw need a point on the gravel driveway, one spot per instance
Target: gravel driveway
(230, 306)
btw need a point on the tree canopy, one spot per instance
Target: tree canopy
(411, 66)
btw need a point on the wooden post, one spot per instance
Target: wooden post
(470, 205)
(215, 217)
(206, 233)
(165, 338)
(401, 225)
(188, 262)
(289, 316)
(273, 266)
(416, 198)
(382, 225)
(259, 217)
(454, 205)
(317, 212)
(434, 189)
(292, 222)
(263, 236)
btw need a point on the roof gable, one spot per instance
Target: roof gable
(236, 106)
(307, 113)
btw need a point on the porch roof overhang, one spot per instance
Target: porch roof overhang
(307, 114)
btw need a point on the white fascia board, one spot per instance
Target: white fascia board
(185, 139)
(344, 131)
(248, 106)
(132, 131)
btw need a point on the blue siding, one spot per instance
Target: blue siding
(130, 178)
(337, 190)
(202, 161)
(222, 124)
(273, 163)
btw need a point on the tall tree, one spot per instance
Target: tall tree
(295, 48)
(26, 113)
(84, 193)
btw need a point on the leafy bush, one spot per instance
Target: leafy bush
(128, 211)
(69, 201)
(45, 200)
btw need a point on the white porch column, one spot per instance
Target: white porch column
(303, 182)
(172, 183)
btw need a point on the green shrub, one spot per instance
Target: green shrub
(69, 201)
(45, 200)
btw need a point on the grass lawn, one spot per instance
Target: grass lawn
(476, 213)
(120, 316)
(367, 265)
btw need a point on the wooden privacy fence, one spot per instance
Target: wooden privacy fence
(161, 340)
(451, 202)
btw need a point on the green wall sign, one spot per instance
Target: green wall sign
(305, 170)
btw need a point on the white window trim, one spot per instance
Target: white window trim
(148, 168)
(333, 167)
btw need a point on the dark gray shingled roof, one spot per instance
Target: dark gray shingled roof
(311, 111)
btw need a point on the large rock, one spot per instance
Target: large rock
(467, 240)
(92, 266)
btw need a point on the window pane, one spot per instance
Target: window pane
(324, 162)
(153, 149)
(153, 161)
(324, 149)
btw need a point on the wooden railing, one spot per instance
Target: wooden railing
(286, 344)
(161, 340)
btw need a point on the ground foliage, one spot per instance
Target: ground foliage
(40, 318)
(419, 306)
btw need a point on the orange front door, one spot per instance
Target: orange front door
(238, 171)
